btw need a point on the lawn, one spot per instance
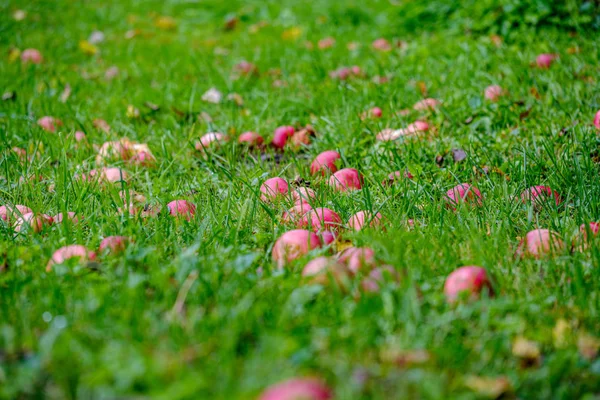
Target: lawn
(198, 302)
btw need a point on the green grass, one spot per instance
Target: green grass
(114, 331)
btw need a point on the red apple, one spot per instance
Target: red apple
(49, 124)
(294, 244)
(538, 195)
(377, 276)
(182, 208)
(469, 279)
(545, 60)
(295, 213)
(426, 104)
(581, 240)
(303, 194)
(32, 221)
(364, 219)
(463, 194)
(251, 139)
(382, 44)
(597, 120)
(211, 139)
(494, 92)
(327, 237)
(273, 189)
(281, 135)
(325, 163)
(346, 179)
(539, 243)
(357, 258)
(70, 216)
(114, 174)
(298, 389)
(321, 219)
(31, 56)
(9, 213)
(67, 252)
(114, 244)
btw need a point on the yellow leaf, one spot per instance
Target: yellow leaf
(87, 48)
(488, 387)
(132, 112)
(526, 349)
(166, 23)
(561, 333)
(14, 54)
(292, 33)
(588, 346)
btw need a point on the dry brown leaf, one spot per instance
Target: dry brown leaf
(561, 334)
(405, 358)
(66, 93)
(588, 346)
(488, 387)
(527, 350)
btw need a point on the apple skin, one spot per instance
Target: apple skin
(273, 188)
(281, 136)
(9, 213)
(545, 60)
(539, 243)
(463, 194)
(359, 221)
(32, 56)
(35, 222)
(298, 389)
(294, 214)
(49, 124)
(319, 219)
(494, 92)
(67, 252)
(294, 244)
(113, 244)
(358, 258)
(537, 195)
(325, 163)
(182, 208)
(471, 279)
(346, 179)
(251, 139)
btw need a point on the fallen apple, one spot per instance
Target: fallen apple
(345, 180)
(472, 280)
(294, 244)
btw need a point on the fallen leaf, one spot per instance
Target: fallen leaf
(292, 33)
(132, 112)
(459, 155)
(231, 22)
(488, 387)
(561, 333)
(212, 95)
(111, 73)
(402, 357)
(165, 23)
(14, 54)
(422, 88)
(236, 98)
(101, 124)
(19, 15)
(527, 350)
(9, 96)
(96, 37)
(87, 48)
(66, 93)
(588, 346)
(152, 106)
